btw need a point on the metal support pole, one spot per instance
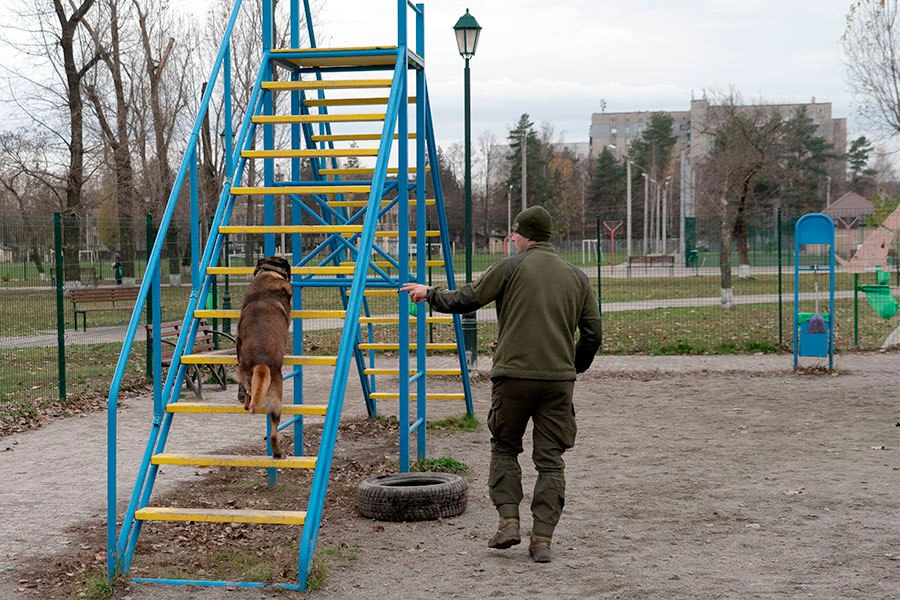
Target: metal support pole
(469, 324)
(780, 287)
(599, 290)
(646, 210)
(627, 207)
(60, 305)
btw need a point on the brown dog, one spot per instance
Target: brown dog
(262, 338)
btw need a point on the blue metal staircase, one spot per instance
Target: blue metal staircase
(355, 227)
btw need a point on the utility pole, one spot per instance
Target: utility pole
(524, 170)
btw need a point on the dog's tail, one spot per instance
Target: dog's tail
(260, 380)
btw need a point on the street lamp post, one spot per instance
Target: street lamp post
(467, 33)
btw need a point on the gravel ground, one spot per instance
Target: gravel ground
(692, 477)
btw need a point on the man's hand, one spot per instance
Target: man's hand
(417, 291)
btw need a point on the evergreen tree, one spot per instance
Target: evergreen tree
(653, 149)
(804, 158)
(524, 129)
(607, 191)
(862, 177)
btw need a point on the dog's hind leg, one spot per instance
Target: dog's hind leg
(260, 380)
(275, 419)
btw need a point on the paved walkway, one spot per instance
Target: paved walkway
(98, 335)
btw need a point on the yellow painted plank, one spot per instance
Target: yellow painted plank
(234, 460)
(361, 203)
(354, 137)
(392, 346)
(312, 57)
(220, 313)
(327, 84)
(362, 171)
(428, 396)
(396, 320)
(215, 515)
(350, 101)
(394, 234)
(231, 359)
(333, 270)
(210, 408)
(377, 292)
(449, 372)
(301, 153)
(349, 229)
(386, 265)
(338, 118)
(301, 190)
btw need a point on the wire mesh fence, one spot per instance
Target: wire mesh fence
(670, 304)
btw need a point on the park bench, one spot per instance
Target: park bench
(652, 260)
(204, 342)
(101, 299)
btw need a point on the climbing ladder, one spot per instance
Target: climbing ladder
(350, 231)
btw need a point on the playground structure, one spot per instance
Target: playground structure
(872, 255)
(355, 223)
(814, 332)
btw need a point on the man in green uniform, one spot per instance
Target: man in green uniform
(541, 301)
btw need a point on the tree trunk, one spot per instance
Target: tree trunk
(75, 175)
(727, 296)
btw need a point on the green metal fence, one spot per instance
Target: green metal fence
(46, 366)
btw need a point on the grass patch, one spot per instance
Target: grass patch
(327, 557)
(93, 585)
(444, 464)
(467, 422)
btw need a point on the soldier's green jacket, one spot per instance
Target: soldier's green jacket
(541, 301)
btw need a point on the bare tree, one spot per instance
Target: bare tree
(871, 43)
(26, 175)
(744, 144)
(117, 132)
(56, 105)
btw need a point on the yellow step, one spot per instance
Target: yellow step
(234, 460)
(314, 118)
(328, 84)
(361, 203)
(377, 292)
(449, 372)
(347, 229)
(216, 515)
(238, 409)
(413, 233)
(309, 57)
(386, 265)
(353, 171)
(396, 320)
(301, 153)
(351, 101)
(301, 189)
(332, 270)
(428, 396)
(391, 346)
(220, 313)
(353, 137)
(231, 359)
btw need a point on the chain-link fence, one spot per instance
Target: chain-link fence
(671, 303)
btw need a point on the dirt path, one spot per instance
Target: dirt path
(703, 477)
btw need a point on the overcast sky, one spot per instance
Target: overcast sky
(558, 60)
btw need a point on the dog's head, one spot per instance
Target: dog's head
(276, 264)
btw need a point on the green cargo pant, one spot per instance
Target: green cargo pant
(549, 406)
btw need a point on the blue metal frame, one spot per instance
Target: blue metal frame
(814, 229)
(366, 275)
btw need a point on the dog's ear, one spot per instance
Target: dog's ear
(276, 264)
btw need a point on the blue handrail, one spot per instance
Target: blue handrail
(153, 261)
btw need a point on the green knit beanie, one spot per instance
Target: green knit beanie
(534, 223)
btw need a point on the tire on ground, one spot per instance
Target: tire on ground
(412, 496)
